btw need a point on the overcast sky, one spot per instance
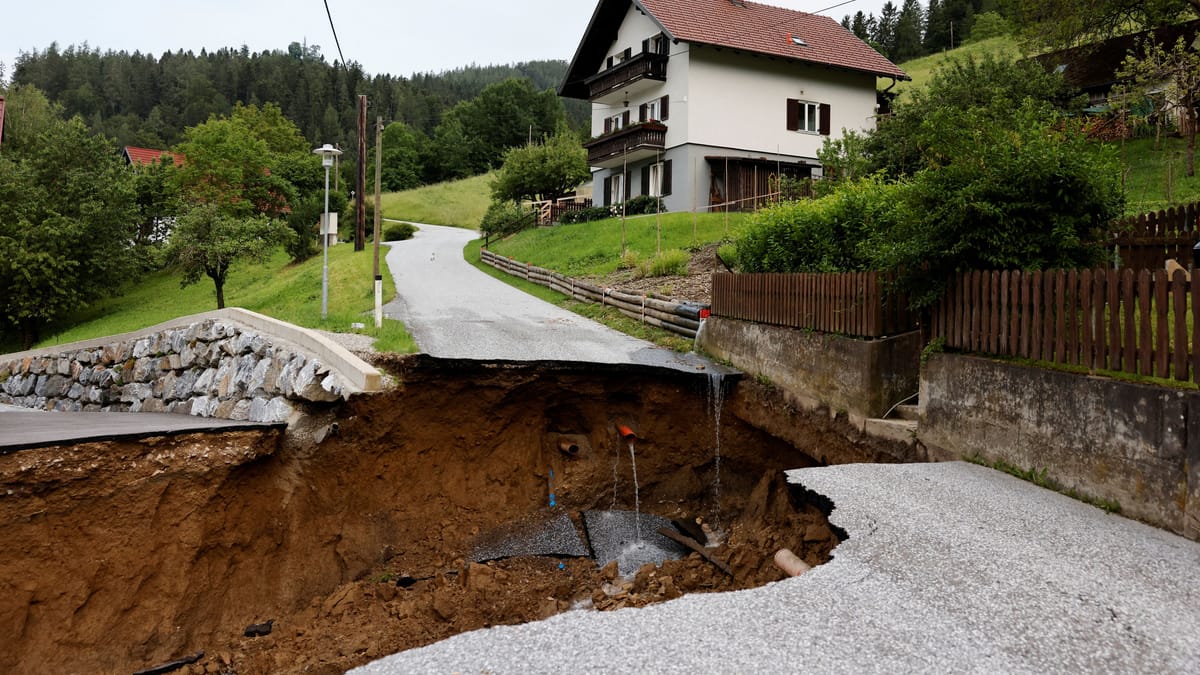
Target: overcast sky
(397, 38)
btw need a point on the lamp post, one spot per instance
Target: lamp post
(327, 153)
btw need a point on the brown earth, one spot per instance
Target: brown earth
(695, 286)
(120, 556)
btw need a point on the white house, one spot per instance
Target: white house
(706, 102)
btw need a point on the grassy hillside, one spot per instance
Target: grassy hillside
(287, 292)
(1156, 178)
(593, 249)
(922, 69)
(459, 203)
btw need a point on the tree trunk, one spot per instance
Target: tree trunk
(218, 275)
(30, 333)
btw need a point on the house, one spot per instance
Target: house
(708, 102)
(145, 156)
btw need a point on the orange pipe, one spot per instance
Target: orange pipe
(626, 432)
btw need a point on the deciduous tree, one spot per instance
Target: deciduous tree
(542, 171)
(208, 239)
(1175, 75)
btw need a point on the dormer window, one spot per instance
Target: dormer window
(797, 40)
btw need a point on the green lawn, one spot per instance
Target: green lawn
(920, 70)
(460, 203)
(276, 288)
(594, 249)
(1157, 178)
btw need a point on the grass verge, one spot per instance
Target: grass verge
(1041, 479)
(459, 203)
(1156, 175)
(288, 292)
(608, 316)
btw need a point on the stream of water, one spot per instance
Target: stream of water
(716, 397)
(637, 500)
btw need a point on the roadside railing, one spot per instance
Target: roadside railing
(681, 318)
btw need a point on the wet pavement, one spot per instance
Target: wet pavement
(456, 311)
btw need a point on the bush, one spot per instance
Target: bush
(398, 231)
(505, 218)
(642, 205)
(586, 215)
(630, 260)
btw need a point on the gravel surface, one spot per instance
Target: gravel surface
(948, 567)
(455, 311)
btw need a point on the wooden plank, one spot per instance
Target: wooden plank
(1179, 342)
(985, 312)
(1111, 357)
(1145, 346)
(1035, 299)
(1048, 315)
(1072, 318)
(1005, 339)
(957, 329)
(1060, 314)
(1129, 339)
(1194, 297)
(1086, 355)
(1162, 335)
(1026, 316)
(671, 534)
(1100, 315)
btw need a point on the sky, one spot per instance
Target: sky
(397, 38)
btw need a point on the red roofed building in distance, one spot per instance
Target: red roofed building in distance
(146, 156)
(706, 102)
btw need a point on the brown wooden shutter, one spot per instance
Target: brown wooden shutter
(610, 60)
(625, 118)
(646, 179)
(608, 191)
(793, 114)
(663, 106)
(824, 130)
(608, 125)
(646, 46)
(628, 52)
(666, 178)
(642, 112)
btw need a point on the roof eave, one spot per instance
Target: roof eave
(573, 82)
(900, 75)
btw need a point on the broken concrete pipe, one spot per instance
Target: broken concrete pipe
(626, 432)
(791, 565)
(568, 447)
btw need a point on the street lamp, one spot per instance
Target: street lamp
(327, 153)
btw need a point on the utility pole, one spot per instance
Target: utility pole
(360, 199)
(378, 215)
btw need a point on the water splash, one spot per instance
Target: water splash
(716, 398)
(616, 477)
(637, 500)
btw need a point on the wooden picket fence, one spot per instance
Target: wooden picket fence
(1149, 240)
(1140, 322)
(858, 304)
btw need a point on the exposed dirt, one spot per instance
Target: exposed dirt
(695, 286)
(121, 556)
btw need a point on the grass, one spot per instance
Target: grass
(608, 316)
(460, 203)
(276, 288)
(1041, 479)
(594, 249)
(922, 69)
(1156, 178)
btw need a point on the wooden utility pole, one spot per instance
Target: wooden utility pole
(378, 215)
(360, 197)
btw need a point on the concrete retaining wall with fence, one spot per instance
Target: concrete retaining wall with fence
(231, 364)
(1106, 439)
(865, 378)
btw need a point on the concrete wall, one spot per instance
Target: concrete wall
(863, 377)
(219, 364)
(1106, 439)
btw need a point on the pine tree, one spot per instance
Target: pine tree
(908, 32)
(885, 30)
(937, 28)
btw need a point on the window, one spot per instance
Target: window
(656, 179)
(654, 110)
(614, 189)
(808, 117)
(616, 122)
(658, 44)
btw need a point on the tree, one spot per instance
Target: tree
(1177, 73)
(937, 28)
(885, 29)
(542, 171)
(207, 240)
(907, 41)
(227, 165)
(158, 203)
(1067, 23)
(403, 148)
(66, 215)
(504, 115)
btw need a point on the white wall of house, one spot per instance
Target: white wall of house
(739, 101)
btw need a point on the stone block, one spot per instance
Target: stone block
(63, 366)
(204, 383)
(53, 386)
(241, 410)
(153, 405)
(76, 391)
(145, 369)
(269, 411)
(141, 348)
(136, 392)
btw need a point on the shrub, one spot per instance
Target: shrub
(586, 215)
(630, 260)
(504, 218)
(642, 205)
(398, 231)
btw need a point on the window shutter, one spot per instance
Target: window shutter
(646, 46)
(642, 112)
(646, 179)
(793, 114)
(663, 47)
(666, 178)
(625, 118)
(824, 119)
(608, 191)
(608, 125)
(664, 113)
(610, 60)
(628, 52)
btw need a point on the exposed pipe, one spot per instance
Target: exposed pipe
(626, 432)
(568, 447)
(791, 565)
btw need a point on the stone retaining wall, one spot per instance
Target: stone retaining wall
(212, 368)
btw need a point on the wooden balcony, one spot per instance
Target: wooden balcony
(631, 144)
(644, 66)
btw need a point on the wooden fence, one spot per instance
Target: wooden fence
(857, 304)
(1134, 322)
(655, 310)
(1149, 240)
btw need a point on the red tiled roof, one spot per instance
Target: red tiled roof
(765, 29)
(146, 156)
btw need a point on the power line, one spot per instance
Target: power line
(335, 37)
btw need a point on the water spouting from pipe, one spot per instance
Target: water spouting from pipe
(716, 398)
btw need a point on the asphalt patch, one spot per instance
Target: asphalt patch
(614, 536)
(544, 535)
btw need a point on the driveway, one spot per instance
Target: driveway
(455, 311)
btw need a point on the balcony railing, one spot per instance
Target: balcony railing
(638, 137)
(644, 66)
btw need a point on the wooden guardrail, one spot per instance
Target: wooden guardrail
(681, 318)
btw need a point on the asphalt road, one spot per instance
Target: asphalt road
(948, 568)
(21, 428)
(455, 311)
